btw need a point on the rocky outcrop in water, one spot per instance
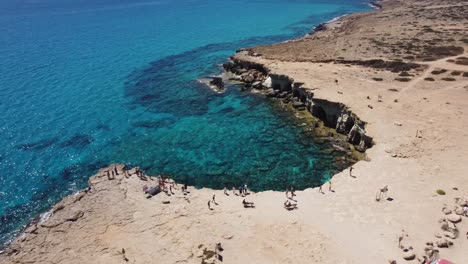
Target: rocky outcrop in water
(217, 82)
(320, 27)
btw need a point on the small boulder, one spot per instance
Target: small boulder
(271, 93)
(444, 243)
(429, 253)
(446, 211)
(297, 104)
(255, 54)
(450, 235)
(454, 218)
(75, 216)
(217, 82)
(249, 79)
(444, 226)
(428, 248)
(409, 255)
(459, 211)
(32, 229)
(257, 84)
(267, 82)
(58, 207)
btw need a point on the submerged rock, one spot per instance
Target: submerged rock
(217, 82)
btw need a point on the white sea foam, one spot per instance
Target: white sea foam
(336, 19)
(45, 216)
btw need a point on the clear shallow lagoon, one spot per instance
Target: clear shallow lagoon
(86, 83)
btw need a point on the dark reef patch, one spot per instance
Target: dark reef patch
(77, 141)
(39, 145)
(155, 123)
(103, 127)
(226, 110)
(173, 77)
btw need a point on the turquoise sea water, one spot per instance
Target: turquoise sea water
(86, 83)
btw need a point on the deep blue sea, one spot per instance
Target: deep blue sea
(86, 83)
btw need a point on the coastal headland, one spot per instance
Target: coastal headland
(393, 81)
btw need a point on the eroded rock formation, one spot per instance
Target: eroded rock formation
(334, 115)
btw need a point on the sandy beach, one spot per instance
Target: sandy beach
(414, 104)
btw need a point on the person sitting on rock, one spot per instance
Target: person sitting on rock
(248, 204)
(289, 206)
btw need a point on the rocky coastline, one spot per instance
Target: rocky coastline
(393, 83)
(282, 87)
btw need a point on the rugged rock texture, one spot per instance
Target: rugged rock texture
(334, 115)
(388, 203)
(420, 31)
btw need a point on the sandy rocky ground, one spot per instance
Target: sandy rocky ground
(346, 225)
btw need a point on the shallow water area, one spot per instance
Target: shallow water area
(88, 83)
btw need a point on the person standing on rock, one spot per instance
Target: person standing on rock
(351, 171)
(287, 192)
(241, 190)
(159, 180)
(209, 205)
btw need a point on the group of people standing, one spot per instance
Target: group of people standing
(243, 191)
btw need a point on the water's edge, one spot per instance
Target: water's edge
(335, 116)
